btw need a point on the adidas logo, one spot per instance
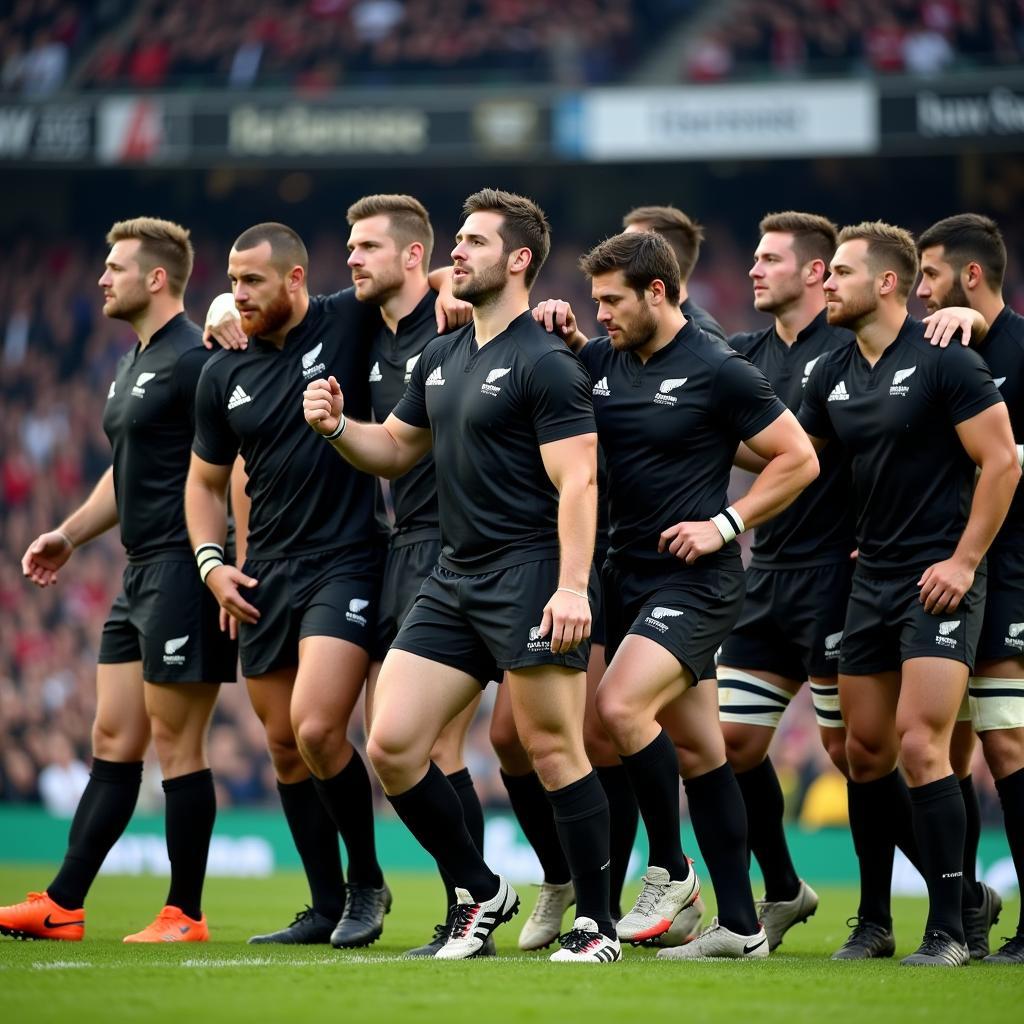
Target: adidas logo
(355, 609)
(943, 639)
(832, 644)
(839, 393)
(665, 389)
(489, 387)
(999, 382)
(536, 642)
(139, 388)
(659, 613)
(808, 366)
(375, 374)
(1014, 638)
(171, 648)
(899, 389)
(435, 379)
(238, 397)
(410, 365)
(601, 387)
(310, 366)
(113, 384)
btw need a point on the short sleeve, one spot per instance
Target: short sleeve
(187, 371)
(965, 383)
(813, 413)
(558, 390)
(412, 407)
(214, 442)
(742, 398)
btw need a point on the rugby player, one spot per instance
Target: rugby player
(507, 409)
(963, 260)
(914, 422)
(389, 246)
(162, 654)
(672, 404)
(306, 597)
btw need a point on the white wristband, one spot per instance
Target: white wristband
(67, 540)
(569, 590)
(729, 524)
(208, 557)
(338, 430)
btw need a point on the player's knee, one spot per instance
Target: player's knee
(318, 735)
(835, 747)
(112, 742)
(921, 754)
(597, 743)
(505, 738)
(744, 749)
(617, 716)
(178, 753)
(284, 754)
(1004, 751)
(868, 757)
(392, 759)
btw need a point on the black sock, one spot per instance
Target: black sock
(473, 814)
(433, 814)
(903, 821)
(532, 809)
(191, 808)
(939, 826)
(872, 826)
(580, 812)
(102, 815)
(766, 807)
(720, 823)
(972, 891)
(349, 802)
(316, 839)
(625, 816)
(1011, 796)
(654, 775)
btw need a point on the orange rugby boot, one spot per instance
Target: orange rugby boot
(172, 925)
(40, 918)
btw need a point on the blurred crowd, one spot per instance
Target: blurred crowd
(758, 38)
(317, 45)
(57, 358)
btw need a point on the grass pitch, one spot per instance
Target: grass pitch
(226, 981)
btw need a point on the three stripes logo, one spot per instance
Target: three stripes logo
(601, 388)
(655, 619)
(665, 389)
(238, 397)
(489, 387)
(139, 388)
(435, 379)
(310, 367)
(171, 648)
(898, 388)
(943, 638)
(839, 393)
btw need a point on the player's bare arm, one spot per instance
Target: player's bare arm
(944, 323)
(49, 551)
(571, 465)
(790, 465)
(386, 449)
(988, 440)
(206, 514)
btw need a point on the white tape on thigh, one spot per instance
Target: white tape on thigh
(826, 706)
(996, 703)
(964, 714)
(745, 699)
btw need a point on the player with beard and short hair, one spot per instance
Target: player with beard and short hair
(389, 246)
(915, 422)
(508, 413)
(672, 405)
(963, 261)
(162, 655)
(306, 597)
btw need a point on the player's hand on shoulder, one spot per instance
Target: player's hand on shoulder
(942, 325)
(689, 541)
(556, 317)
(567, 619)
(224, 325)
(45, 555)
(944, 584)
(450, 312)
(226, 583)
(322, 405)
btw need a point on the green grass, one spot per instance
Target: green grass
(226, 981)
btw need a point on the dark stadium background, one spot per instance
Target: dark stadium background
(222, 115)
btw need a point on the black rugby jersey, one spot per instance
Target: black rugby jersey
(703, 319)
(817, 529)
(669, 430)
(304, 498)
(149, 419)
(912, 479)
(1003, 351)
(393, 358)
(489, 409)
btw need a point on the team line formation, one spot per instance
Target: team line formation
(560, 522)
